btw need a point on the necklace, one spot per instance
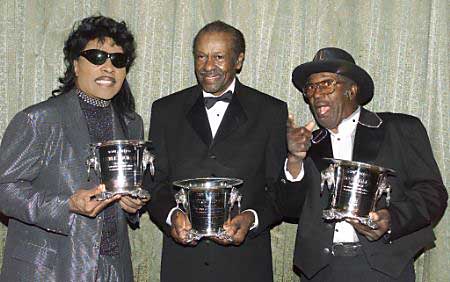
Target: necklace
(92, 100)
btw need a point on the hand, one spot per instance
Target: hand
(299, 142)
(83, 201)
(299, 138)
(237, 229)
(180, 228)
(381, 218)
(132, 205)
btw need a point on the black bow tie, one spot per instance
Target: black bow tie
(225, 97)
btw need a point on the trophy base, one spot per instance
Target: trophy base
(334, 214)
(138, 193)
(194, 235)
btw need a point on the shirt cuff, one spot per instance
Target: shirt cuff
(169, 217)
(256, 222)
(289, 175)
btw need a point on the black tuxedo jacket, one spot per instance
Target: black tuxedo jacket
(250, 144)
(418, 197)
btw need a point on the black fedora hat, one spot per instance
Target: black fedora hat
(338, 61)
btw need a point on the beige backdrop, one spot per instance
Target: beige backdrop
(403, 44)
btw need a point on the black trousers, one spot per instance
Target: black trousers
(357, 269)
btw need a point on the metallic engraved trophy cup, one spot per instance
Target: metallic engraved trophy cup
(208, 203)
(355, 188)
(120, 164)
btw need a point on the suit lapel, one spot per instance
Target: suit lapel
(197, 117)
(322, 149)
(75, 125)
(368, 138)
(234, 115)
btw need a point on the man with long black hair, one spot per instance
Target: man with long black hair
(57, 230)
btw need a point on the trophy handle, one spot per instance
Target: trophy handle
(92, 162)
(327, 179)
(235, 196)
(147, 160)
(181, 200)
(384, 187)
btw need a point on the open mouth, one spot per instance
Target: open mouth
(322, 111)
(105, 81)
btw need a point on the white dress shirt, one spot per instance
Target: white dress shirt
(215, 116)
(342, 145)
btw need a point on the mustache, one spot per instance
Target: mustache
(106, 78)
(213, 72)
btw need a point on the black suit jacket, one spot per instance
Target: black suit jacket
(250, 145)
(418, 198)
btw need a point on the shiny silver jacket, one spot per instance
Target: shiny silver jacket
(42, 163)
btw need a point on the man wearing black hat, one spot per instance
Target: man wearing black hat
(336, 90)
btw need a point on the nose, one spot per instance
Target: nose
(108, 66)
(209, 64)
(318, 91)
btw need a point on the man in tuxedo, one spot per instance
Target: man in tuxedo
(220, 128)
(336, 90)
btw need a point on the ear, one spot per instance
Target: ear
(353, 91)
(239, 61)
(75, 67)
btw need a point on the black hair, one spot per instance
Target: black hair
(99, 27)
(219, 26)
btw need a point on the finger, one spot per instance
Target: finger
(103, 204)
(291, 122)
(127, 208)
(220, 241)
(176, 236)
(239, 237)
(187, 223)
(95, 191)
(230, 229)
(310, 125)
(133, 203)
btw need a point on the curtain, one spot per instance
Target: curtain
(403, 44)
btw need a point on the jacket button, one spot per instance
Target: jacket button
(326, 251)
(212, 156)
(206, 263)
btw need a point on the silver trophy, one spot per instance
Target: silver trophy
(355, 188)
(120, 164)
(207, 203)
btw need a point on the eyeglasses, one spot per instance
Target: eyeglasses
(99, 57)
(326, 87)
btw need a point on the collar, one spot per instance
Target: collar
(93, 101)
(366, 118)
(348, 125)
(230, 88)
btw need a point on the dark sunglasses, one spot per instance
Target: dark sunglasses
(99, 57)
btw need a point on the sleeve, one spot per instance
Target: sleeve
(291, 194)
(425, 197)
(134, 219)
(23, 153)
(265, 206)
(289, 176)
(162, 194)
